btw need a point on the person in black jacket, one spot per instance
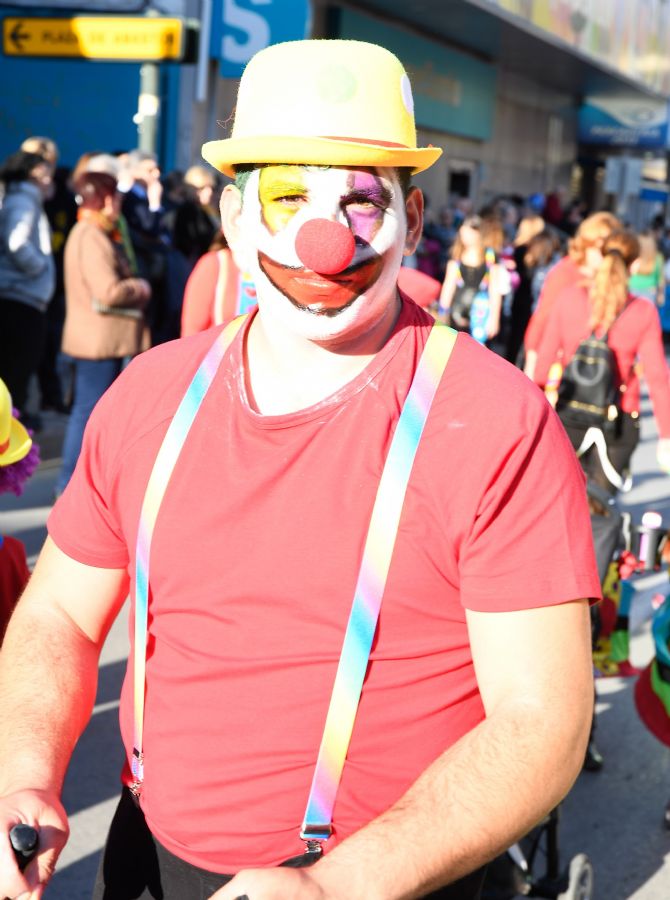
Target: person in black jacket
(196, 220)
(143, 211)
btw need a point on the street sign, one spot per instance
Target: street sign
(120, 38)
(241, 28)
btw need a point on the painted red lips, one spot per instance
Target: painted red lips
(305, 288)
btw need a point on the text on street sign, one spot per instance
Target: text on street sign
(95, 37)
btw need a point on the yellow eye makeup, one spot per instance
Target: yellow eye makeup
(281, 191)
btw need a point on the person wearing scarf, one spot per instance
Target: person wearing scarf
(104, 316)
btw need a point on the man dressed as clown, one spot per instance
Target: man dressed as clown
(356, 546)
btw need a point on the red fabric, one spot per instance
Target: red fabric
(14, 576)
(254, 563)
(564, 274)
(650, 708)
(422, 288)
(197, 313)
(635, 334)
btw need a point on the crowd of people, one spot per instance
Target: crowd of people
(111, 257)
(243, 484)
(94, 267)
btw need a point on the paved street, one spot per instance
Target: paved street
(613, 816)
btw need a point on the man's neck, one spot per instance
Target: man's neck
(286, 372)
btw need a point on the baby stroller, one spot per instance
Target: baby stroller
(513, 874)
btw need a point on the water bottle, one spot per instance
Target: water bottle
(647, 539)
(479, 317)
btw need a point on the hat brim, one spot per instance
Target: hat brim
(20, 443)
(650, 709)
(314, 151)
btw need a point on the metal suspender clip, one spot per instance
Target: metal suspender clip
(314, 837)
(137, 771)
(313, 849)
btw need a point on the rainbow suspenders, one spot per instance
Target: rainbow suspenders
(372, 576)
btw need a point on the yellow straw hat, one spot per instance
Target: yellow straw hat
(15, 442)
(323, 102)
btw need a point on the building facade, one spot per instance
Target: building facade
(524, 96)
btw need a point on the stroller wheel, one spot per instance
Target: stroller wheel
(580, 879)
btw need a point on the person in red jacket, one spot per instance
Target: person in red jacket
(583, 255)
(602, 304)
(216, 290)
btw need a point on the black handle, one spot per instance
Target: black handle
(23, 839)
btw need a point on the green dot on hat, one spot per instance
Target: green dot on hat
(336, 84)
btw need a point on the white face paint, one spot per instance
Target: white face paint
(278, 201)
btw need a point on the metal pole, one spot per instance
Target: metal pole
(203, 50)
(148, 107)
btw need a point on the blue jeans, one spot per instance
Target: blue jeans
(92, 377)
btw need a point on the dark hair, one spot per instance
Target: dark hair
(19, 165)
(244, 170)
(541, 248)
(93, 188)
(405, 178)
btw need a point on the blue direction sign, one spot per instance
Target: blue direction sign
(241, 28)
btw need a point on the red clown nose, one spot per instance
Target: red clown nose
(324, 246)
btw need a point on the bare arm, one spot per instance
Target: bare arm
(48, 678)
(448, 286)
(660, 290)
(534, 673)
(495, 300)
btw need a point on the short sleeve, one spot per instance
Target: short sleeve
(531, 543)
(82, 523)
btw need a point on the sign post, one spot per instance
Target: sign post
(150, 40)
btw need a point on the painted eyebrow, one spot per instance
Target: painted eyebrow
(378, 193)
(286, 187)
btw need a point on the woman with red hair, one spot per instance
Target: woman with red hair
(565, 274)
(104, 306)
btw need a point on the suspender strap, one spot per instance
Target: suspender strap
(371, 583)
(372, 577)
(164, 464)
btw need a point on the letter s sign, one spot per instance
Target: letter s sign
(241, 28)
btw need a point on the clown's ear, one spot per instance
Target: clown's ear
(414, 214)
(231, 212)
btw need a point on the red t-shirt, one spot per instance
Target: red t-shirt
(422, 288)
(254, 562)
(636, 334)
(197, 313)
(215, 293)
(563, 275)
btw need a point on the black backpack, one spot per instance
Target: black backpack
(588, 394)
